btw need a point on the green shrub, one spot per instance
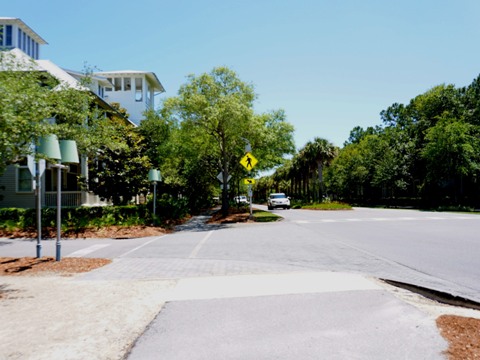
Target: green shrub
(77, 218)
(331, 205)
(455, 208)
(265, 216)
(170, 208)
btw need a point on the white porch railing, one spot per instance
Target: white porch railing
(69, 198)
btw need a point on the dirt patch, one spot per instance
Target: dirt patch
(463, 336)
(47, 265)
(235, 215)
(119, 232)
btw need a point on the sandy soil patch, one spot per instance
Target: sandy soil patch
(52, 317)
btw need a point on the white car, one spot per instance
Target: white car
(242, 199)
(278, 200)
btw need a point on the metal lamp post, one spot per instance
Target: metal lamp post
(48, 147)
(154, 177)
(69, 154)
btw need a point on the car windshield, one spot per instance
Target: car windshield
(278, 196)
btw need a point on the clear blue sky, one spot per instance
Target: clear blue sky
(331, 64)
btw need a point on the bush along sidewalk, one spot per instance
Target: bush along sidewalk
(81, 218)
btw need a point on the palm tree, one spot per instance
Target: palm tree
(319, 153)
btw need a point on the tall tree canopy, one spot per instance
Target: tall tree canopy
(215, 117)
(427, 150)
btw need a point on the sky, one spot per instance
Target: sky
(330, 64)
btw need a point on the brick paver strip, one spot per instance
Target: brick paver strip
(145, 268)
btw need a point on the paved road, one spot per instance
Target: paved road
(434, 250)
(239, 291)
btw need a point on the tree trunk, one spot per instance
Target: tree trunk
(320, 181)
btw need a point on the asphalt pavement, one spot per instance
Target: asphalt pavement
(227, 299)
(314, 315)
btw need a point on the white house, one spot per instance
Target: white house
(14, 33)
(133, 90)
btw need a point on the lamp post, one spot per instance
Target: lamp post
(154, 177)
(248, 146)
(69, 154)
(48, 147)
(63, 151)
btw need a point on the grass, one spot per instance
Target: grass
(265, 216)
(456, 208)
(333, 205)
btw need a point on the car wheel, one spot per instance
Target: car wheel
(270, 208)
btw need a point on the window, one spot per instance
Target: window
(138, 89)
(1, 35)
(127, 84)
(19, 38)
(24, 177)
(24, 42)
(118, 84)
(108, 88)
(69, 179)
(148, 97)
(8, 35)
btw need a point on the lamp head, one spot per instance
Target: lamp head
(68, 149)
(154, 175)
(49, 147)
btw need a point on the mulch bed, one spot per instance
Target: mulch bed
(113, 232)
(235, 215)
(47, 265)
(463, 336)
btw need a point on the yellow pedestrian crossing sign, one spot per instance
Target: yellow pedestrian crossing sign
(249, 181)
(248, 161)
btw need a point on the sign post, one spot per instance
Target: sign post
(37, 169)
(248, 162)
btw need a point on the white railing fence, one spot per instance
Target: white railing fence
(69, 198)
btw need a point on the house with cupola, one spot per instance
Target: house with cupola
(133, 90)
(15, 34)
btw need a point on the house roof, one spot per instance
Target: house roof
(151, 77)
(22, 62)
(26, 63)
(17, 60)
(60, 74)
(27, 29)
(102, 80)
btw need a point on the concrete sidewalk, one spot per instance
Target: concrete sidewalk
(290, 315)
